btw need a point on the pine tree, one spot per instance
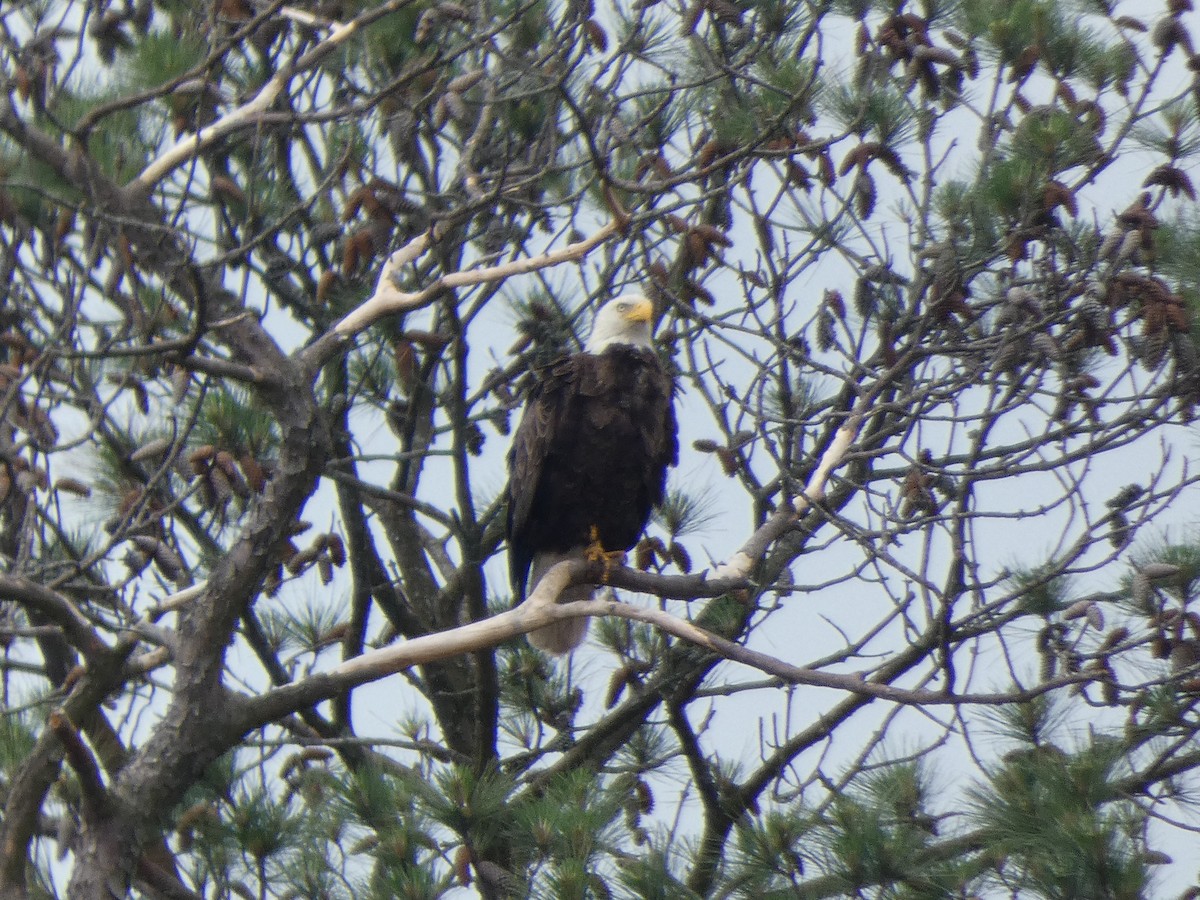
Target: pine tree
(914, 621)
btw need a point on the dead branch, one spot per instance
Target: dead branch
(389, 299)
(539, 610)
(245, 115)
(739, 565)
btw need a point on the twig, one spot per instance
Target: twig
(306, 18)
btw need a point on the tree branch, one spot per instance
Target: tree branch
(244, 116)
(740, 563)
(389, 299)
(55, 607)
(539, 611)
(96, 803)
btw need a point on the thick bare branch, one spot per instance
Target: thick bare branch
(539, 611)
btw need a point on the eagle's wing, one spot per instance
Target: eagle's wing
(546, 415)
(662, 438)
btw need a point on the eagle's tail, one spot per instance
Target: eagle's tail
(561, 637)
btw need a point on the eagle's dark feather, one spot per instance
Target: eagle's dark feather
(592, 448)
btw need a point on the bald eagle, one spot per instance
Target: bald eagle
(589, 459)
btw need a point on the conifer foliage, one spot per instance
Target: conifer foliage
(915, 619)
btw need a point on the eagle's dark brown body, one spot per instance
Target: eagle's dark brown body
(592, 449)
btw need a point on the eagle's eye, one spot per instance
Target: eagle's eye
(623, 307)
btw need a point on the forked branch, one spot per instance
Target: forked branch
(389, 299)
(246, 115)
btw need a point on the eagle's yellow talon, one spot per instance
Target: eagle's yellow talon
(595, 552)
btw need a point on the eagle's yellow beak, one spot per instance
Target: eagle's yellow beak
(642, 312)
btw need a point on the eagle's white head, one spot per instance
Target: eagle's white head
(627, 320)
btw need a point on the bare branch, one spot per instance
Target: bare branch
(388, 299)
(245, 115)
(740, 564)
(538, 611)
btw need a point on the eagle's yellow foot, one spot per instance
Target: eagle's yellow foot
(595, 552)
